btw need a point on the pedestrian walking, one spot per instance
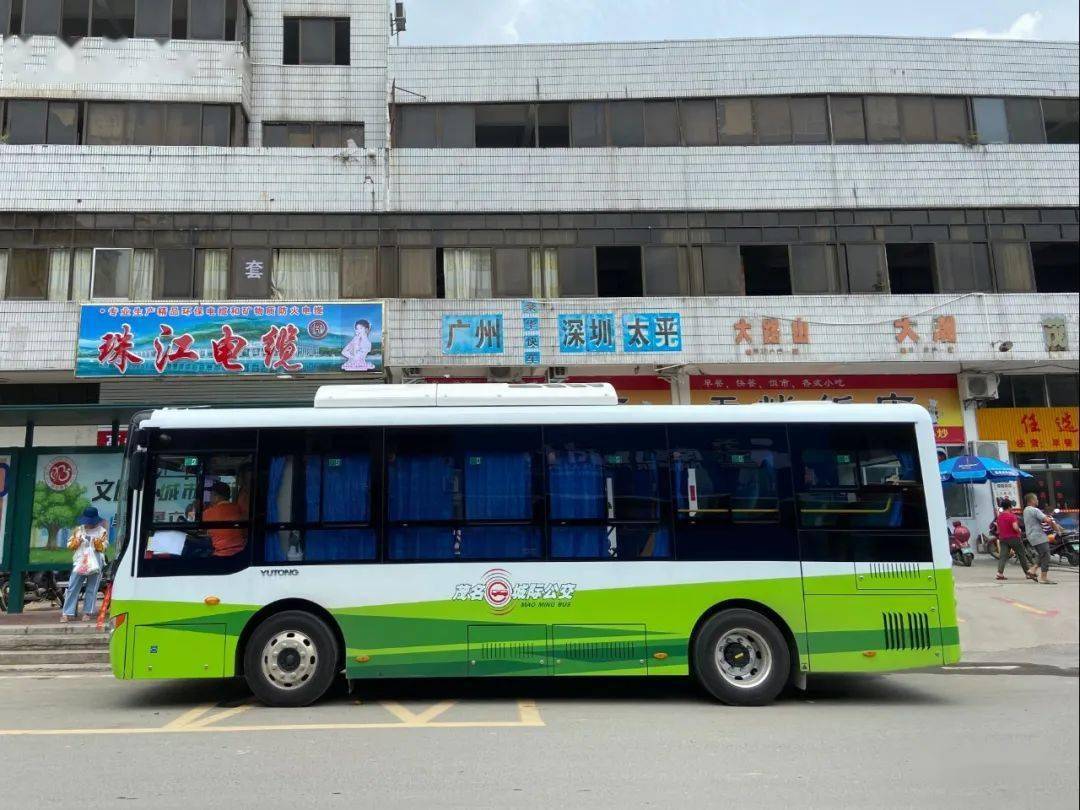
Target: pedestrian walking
(89, 542)
(1010, 539)
(1034, 518)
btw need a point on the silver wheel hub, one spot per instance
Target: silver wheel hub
(743, 658)
(289, 659)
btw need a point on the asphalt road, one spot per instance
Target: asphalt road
(1002, 733)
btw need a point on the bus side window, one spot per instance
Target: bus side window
(199, 519)
(863, 481)
(732, 492)
(608, 492)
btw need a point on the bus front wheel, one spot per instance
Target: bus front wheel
(742, 658)
(290, 659)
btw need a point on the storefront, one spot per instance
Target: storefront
(1044, 442)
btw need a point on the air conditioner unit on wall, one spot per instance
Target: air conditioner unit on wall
(998, 450)
(979, 386)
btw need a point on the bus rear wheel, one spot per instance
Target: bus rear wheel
(742, 658)
(290, 659)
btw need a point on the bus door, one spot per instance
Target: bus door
(868, 572)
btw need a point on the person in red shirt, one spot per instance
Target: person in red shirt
(1011, 538)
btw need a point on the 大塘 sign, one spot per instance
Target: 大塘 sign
(195, 340)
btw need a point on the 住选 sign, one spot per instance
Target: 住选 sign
(1032, 430)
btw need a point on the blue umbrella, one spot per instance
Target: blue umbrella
(978, 470)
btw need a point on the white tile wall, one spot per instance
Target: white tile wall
(322, 93)
(779, 177)
(189, 178)
(205, 179)
(736, 67)
(849, 329)
(180, 70)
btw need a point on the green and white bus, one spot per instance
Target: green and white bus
(530, 530)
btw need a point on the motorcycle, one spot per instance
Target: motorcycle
(960, 548)
(38, 586)
(1066, 547)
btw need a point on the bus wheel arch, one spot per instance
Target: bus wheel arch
(282, 606)
(749, 609)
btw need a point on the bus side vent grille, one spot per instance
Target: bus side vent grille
(598, 650)
(906, 631)
(894, 571)
(508, 651)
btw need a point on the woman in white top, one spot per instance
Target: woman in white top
(89, 542)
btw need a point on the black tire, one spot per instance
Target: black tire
(760, 639)
(968, 560)
(303, 667)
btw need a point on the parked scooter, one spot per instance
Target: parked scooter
(38, 586)
(960, 545)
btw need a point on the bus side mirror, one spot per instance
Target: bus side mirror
(138, 469)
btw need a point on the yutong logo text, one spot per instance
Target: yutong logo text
(501, 593)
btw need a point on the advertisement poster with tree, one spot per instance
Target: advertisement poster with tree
(64, 486)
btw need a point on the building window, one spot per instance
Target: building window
(618, 272)
(111, 274)
(463, 273)
(773, 118)
(662, 123)
(963, 267)
(588, 124)
(417, 272)
(207, 19)
(951, 120)
(307, 275)
(916, 119)
(5, 28)
(28, 275)
(1056, 266)
(848, 121)
(113, 19)
(736, 121)
(809, 120)
(503, 126)
(814, 270)
(577, 272)
(27, 122)
(318, 136)
(1012, 267)
(108, 123)
(75, 23)
(1062, 120)
(627, 123)
(1011, 120)
(317, 41)
(666, 271)
(513, 276)
(867, 268)
(722, 270)
(766, 270)
(699, 122)
(360, 273)
(911, 269)
(154, 19)
(882, 119)
(1063, 390)
(457, 128)
(554, 125)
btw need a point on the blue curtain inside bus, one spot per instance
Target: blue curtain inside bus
(498, 486)
(576, 485)
(422, 488)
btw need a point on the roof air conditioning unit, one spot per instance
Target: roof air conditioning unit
(978, 386)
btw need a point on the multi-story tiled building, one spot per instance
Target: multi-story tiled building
(848, 218)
